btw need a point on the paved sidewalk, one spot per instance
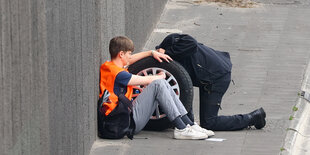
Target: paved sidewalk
(270, 51)
(297, 139)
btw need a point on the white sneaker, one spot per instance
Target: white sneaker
(189, 133)
(203, 130)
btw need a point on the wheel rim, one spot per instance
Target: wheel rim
(158, 114)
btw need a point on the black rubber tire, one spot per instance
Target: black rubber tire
(184, 82)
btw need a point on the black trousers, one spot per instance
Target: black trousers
(210, 102)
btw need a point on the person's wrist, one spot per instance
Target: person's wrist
(152, 52)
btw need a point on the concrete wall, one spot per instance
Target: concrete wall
(140, 18)
(50, 53)
(23, 78)
(73, 62)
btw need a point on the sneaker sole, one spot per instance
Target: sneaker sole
(190, 138)
(211, 135)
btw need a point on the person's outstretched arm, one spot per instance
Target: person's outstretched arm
(157, 55)
(145, 80)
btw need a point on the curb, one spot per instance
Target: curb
(295, 136)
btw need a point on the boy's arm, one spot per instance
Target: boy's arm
(145, 80)
(157, 55)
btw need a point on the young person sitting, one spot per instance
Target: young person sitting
(115, 79)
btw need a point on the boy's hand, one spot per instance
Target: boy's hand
(160, 50)
(162, 74)
(158, 56)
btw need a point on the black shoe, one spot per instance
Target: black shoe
(257, 118)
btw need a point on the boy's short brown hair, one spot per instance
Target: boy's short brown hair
(120, 43)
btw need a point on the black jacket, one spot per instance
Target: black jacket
(204, 64)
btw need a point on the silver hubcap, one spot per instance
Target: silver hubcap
(169, 78)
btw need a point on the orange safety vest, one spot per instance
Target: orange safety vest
(108, 73)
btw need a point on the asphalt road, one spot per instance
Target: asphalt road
(270, 51)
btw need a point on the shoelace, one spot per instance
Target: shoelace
(205, 131)
(189, 130)
(201, 129)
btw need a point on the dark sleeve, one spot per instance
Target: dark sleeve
(121, 82)
(123, 78)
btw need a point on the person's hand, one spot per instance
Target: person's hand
(160, 50)
(158, 56)
(162, 74)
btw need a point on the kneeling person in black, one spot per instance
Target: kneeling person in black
(210, 70)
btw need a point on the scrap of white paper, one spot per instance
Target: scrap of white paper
(215, 139)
